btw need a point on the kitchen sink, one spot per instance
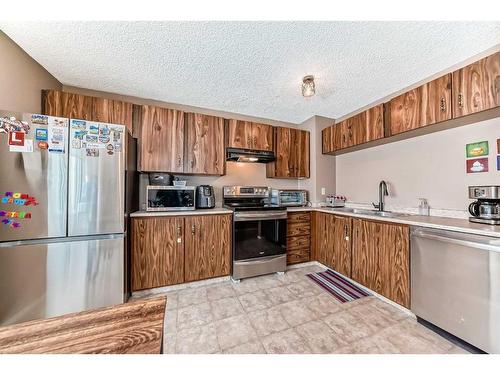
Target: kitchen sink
(371, 212)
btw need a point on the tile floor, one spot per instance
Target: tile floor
(289, 314)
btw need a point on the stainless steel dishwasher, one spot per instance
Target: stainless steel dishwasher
(455, 284)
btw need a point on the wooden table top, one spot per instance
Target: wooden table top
(135, 327)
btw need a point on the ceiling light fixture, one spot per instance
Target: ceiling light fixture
(308, 87)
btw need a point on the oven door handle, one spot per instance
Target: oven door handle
(247, 216)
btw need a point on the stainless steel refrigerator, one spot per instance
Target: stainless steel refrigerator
(62, 216)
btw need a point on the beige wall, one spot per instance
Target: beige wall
(22, 79)
(430, 166)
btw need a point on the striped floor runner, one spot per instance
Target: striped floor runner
(339, 287)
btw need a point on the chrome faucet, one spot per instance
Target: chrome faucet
(382, 192)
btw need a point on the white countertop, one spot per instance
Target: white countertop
(436, 222)
(199, 211)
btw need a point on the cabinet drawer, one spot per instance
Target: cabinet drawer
(299, 217)
(298, 256)
(298, 242)
(298, 229)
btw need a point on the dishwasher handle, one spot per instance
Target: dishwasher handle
(456, 241)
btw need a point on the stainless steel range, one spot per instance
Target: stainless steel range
(259, 231)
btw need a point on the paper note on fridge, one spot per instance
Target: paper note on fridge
(57, 138)
(27, 147)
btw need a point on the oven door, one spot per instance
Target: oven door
(259, 234)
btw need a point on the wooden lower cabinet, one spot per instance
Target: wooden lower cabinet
(332, 248)
(175, 249)
(375, 254)
(157, 253)
(340, 257)
(380, 258)
(208, 247)
(298, 243)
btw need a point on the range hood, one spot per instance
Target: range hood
(249, 156)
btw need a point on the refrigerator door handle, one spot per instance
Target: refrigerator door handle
(43, 241)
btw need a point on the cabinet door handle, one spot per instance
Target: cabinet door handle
(442, 105)
(179, 234)
(249, 141)
(192, 164)
(346, 232)
(193, 229)
(178, 160)
(254, 141)
(460, 100)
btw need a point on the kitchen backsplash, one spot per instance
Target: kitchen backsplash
(236, 174)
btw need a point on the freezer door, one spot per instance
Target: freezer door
(45, 279)
(96, 178)
(36, 171)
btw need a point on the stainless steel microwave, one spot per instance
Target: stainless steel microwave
(289, 198)
(170, 198)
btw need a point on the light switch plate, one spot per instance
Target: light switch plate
(323, 191)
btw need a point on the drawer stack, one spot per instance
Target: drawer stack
(298, 237)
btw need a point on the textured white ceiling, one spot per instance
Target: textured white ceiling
(252, 68)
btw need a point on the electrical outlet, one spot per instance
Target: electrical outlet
(323, 191)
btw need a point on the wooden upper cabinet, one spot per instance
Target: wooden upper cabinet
(239, 134)
(476, 87)
(302, 150)
(262, 137)
(361, 128)
(208, 246)
(353, 130)
(374, 123)
(422, 106)
(292, 154)
(161, 144)
(327, 140)
(249, 135)
(365, 126)
(112, 111)
(52, 103)
(157, 252)
(204, 144)
(337, 136)
(64, 104)
(284, 164)
(102, 109)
